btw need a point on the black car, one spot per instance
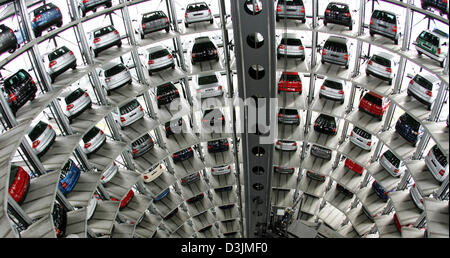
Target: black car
(344, 191)
(213, 117)
(166, 93)
(59, 215)
(204, 49)
(325, 124)
(440, 5)
(19, 88)
(190, 179)
(315, 176)
(183, 155)
(171, 214)
(338, 13)
(196, 198)
(228, 206)
(224, 189)
(8, 40)
(175, 126)
(218, 146)
(321, 152)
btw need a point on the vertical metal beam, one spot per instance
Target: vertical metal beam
(226, 50)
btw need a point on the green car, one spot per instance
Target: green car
(433, 44)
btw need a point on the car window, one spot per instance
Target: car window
(76, 94)
(152, 16)
(386, 17)
(290, 77)
(141, 140)
(423, 82)
(165, 88)
(37, 130)
(381, 60)
(91, 134)
(326, 119)
(130, 106)
(338, 7)
(288, 111)
(158, 54)
(333, 85)
(411, 121)
(291, 2)
(13, 174)
(103, 31)
(439, 156)
(371, 98)
(335, 47)
(392, 158)
(114, 70)
(434, 40)
(207, 79)
(197, 7)
(362, 133)
(57, 53)
(41, 10)
(17, 78)
(201, 46)
(291, 41)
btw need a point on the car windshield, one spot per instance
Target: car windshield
(434, 40)
(197, 7)
(43, 9)
(152, 16)
(291, 41)
(76, 94)
(57, 53)
(288, 111)
(114, 70)
(381, 60)
(208, 79)
(37, 130)
(165, 88)
(201, 46)
(291, 2)
(17, 78)
(392, 158)
(384, 16)
(130, 106)
(103, 31)
(13, 174)
(374, 100)
(91, 134)
(335, 47)
(338, 7)
(439, 156)
(410, 121)
(333, 85)
(158, 54)
(326, 119)
(290, 77)
(362, 133)
(141, 140)
(423, 82)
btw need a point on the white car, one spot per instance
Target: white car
(393, 165)
(361, 138)
(75, 102)
(221, 170)
(103, 38)
(437, 163)
(332, 89)
(41, 137)
(197, 12)
(158, 58)
(286, 145)
(417, 197)
(109, 173)
(291, 46)
(93, 140)
(424, 87)
(153, 173)
(58, 61)
(208, 85)
(90, 208)
(128, 113)
(382, 65)
(113, 76)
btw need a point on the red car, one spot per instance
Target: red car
(374, 104)
(353, 166)
(290, 82)
(125, 200)
(19, 183)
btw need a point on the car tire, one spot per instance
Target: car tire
(390, 82)
(95, 52)
(278, 57)
(59, 24)
(325, 23)
(342, 101)
(52, 79)
(211, 21)
(303, 58)
(74, 67)
(396, 41)
(167, 29)
(33, 97)
(304, 21)
(430, 107)
(277, 18)
(371, 33)
(12, 50)
(83, 13)
(418, 52)
(323, 62)
(350, 27)
(108, 5)
(150, 73)
(142, 36)
(346, 67)
(186, 24)
(173, 66)
(37, 33)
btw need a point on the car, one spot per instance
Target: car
(374, 104)
(19, 88)
(93, 140)
(315, 176)
(197, 12)
(208, 85)
(361, 138)
(213, 117)
(344, 190)
(41, 137)
(171, 214)
(175, 127)
(332, 89)
(393, 165)
(196, 198)
(381, 65)
(158, 58)
(221, 170)
(440, 5)
(434, 44)
(290, 82)
(336, 51)
(154, 172)
(109, 173)
(114, 75)
(353, 166)
(124, 202)
(161, 195)
(380, 191)
(321, 152)
(166, 93)
(291, 46)
(128, 113)
(338, 13)
(58, 61)
(74, 103)
(285, 145)
(192, 178)
(44, 17)
(290, 9)
(220, 145)
(223, 189)
(203, 49)
(19, 183)
(70, 174)
(283, 170)
(288, 116)
(385, 23)
(183, 155)
(152, 22)
(8, 40)
(92, 5)
(411, 130)
(92, 204)
(437, 163)
(325, 124)
(424, 88)
(226, 206)
(417, 197)
(59, 216)
(103, 38)
(142, 145)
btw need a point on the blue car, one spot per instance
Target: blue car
(380, 191)
(72, 174)
(44, 17)
(161, 195)
(409, 129)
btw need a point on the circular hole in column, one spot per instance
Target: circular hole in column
(258, 151)
(256, 71)
(258, 170)
(258, 186)
(253, 7)
(255, 40)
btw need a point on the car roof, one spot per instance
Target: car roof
(290, 35)
(209, 73)
(109, 65)
(335, 80)
(431, 78)
(337, 39)
(202, 39)
(385, 55)
(155, 48)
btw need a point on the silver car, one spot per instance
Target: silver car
(417, 197)
(113, 76)
(321, 152)
(221, 170)
(158, 58)
(197, 12)
(381, 65)
(291, 9)
(424, 87)
(153, 21)
(208, 85)
(437, 163)
(336, 51)
(288, 116)
(93, 140)
(291, 46)
(75, 102)
(393, 165)
(142, 145)
(41, 137)
(332, 89)
(361, 138)
(190, 179)
(128, 113)
(58, 61)
(109, 173)
(385, 23)
(103, 38)
(315, 176)
(286, 145)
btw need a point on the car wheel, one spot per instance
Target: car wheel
(430, 107)
(108, 5)
(33, 97)
(83, 14)
(342, 101)
(277, 18)
(59, 24)
(167, 29)
(371, 33)
(278, 57)
(303, 59)
(186, 25)
(74, 67)
(119, 45)
(396, 41)
(442, 64)
(150, 73)
(418, 52)
(142, 36)
(159, 106)
(94, 52)
(390, 82)
(173, 66)
(211, 21)
(52, 79)
(70, 120)
(37, 33)
(346, 67)
(304, 21)
(12, 50)
(323, 62)
(320, 96)
(350, 27)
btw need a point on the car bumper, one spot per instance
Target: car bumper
(200, 19)
(299, 16)
(150, 30)
(218, 172)
(205, 58)
(295, 54)
(430, 55)
(415, 196)
(289, 89)
(285, 147)
(96, 146)
(428, 101)
(132, 120)
(433, 170)
(289, 121)
(45, 146)
(346, 22)
(143, 150)
(330, 96)
(388, 167)
(217, 150)
(62, 69)
(211, 94)
(109, 174)
(324, 130)
(118, 84)
(334, 61)
(379, 75)
(76, 113)
(105, 46)
(360, 144)
(156, 68)
(369, 113)
(383, 32)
